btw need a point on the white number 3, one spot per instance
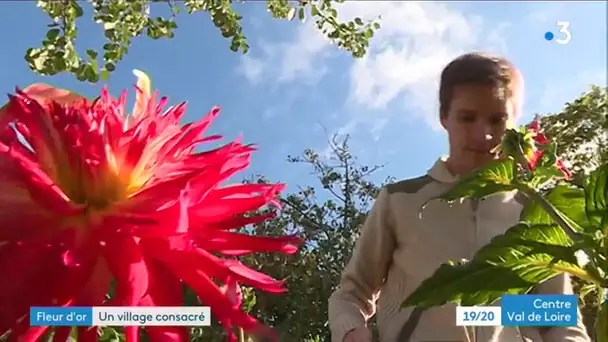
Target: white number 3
(563, 28)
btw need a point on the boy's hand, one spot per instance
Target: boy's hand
(362, 334)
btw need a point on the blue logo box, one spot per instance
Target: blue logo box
(539, 310)
(61, 316)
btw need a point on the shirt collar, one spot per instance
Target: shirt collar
(439, 172)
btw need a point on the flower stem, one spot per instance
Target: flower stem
(549, 208)
(241, 335)
(562, 222)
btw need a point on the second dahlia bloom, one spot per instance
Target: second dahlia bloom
(534, 154)
(90, 195)
(528, 145)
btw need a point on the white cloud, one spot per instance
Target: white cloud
(408, 53)
(415, 42)
(495, 38)
(252, 68)
(299, 59)
(276, 111)
(545, 12)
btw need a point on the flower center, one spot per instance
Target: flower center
(95, 190)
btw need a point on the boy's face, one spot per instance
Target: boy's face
(476, 122)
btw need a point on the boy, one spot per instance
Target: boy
(480, 97)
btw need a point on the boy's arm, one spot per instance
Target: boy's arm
(354, 302)
(561, 284)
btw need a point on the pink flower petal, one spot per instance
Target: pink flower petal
(226, 242)
(534, 126)
(540, 138)
(564, 169)
(126, 262)
(86, 334)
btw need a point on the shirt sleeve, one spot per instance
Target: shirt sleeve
(354, 302)
(562, 284)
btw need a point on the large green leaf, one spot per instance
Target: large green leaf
(542, 233)
(523, 240)
(534, 252)
(467, 283)
(537, 268)
(596, 193)
(569, 201)
(496, 177)
(512, 263)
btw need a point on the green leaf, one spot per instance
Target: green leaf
(358, 21)
(249, 299)
(523, 234)
(596, 195)
(301, 14)
(496, 177)
(244, 46)
(109, 334)
(109, 33)
(467, 284)
(124, 21)
(569, 201)
(511, 263)
(537, 251)
(81, 75)
(78, 10)
(91, 74)
(52, 34)
(533, 251)
(92, 54)
(537, 268)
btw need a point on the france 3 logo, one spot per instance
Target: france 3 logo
(564, 35)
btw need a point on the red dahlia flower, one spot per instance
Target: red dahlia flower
(90, 194)
(535, 154)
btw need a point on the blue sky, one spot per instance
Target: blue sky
(293, 88)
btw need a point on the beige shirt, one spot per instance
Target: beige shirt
(399, 247)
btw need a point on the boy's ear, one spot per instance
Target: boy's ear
(443, 117)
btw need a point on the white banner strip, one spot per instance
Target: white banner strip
(189, 316)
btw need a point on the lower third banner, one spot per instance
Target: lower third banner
(120, 316)
(539, 310)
